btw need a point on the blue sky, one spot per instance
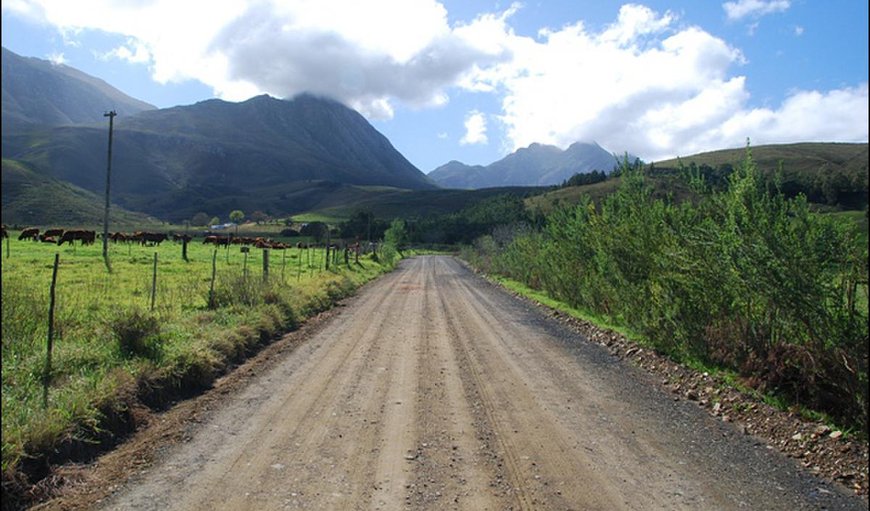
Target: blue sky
(475, 80)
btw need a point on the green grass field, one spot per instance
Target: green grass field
(109, 343)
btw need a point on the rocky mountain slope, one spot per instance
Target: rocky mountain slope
(536, 165)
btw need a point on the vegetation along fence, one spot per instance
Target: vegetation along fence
(168, 318)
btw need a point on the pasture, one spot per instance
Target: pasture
(109, 344)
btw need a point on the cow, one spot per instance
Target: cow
(154, 237)
(53, 233)
(118, 237)
(182, 237)
(3, 232)
(47, 239)
(217, 240)
(31, 233)
(85, 237)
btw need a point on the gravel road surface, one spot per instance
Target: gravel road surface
(434, 389)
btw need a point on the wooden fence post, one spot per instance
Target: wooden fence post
(213, 272)
(265, 264)
(154, 282)
(283, 262)
(184, 248)
(46, 376)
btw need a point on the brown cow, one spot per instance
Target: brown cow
(217, 240)
(4, 233)
(86, 237)
(30, 233)
(118, 237)
(47, 239)
(53, 232)
(154, 237)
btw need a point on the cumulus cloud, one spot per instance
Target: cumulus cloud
(56, 58)
(370, 55)
(754, 8)
(475, 129)
(134, 52)
(284, 58)
(647, 83)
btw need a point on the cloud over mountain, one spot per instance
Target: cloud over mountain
(647, 81)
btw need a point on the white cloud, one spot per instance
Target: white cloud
(653, 87)
(475, 129)
(840, 115)
(754, 8)
(647, 83)
(139, 53)
(56, 58)
(798, 30)
(370, 55)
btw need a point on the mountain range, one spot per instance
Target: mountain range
(536, 165)
(38, 92)
(278, 156)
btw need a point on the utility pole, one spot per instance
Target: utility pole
(111, 115)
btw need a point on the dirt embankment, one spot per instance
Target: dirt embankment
(435, 390)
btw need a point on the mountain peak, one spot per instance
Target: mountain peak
(535, 165)
(41, 92)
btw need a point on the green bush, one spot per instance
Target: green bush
(742, 277)
(137, 332)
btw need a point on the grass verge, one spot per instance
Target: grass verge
(114, 353)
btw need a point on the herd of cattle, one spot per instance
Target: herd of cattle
(85, 237)
(57, 236)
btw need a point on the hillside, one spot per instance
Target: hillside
(536, 165)
(31, 199)
(417, 204)
(830, 175)
(39, 92)
(278, 156)
(827, 173)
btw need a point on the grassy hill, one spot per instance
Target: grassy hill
(32, 199)
(272, 155)
(390, 204)
(832, 176)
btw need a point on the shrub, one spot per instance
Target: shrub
(137, 332)
(742, 277)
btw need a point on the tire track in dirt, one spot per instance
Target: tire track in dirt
(539, 459)
(452, 463)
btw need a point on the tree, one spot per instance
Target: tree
(214, 221)
(199, 219)
(317, 230)
(236, 216)
(363, 225)
(397, 234)
(258, 216)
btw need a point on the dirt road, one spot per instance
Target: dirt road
(435, 390)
